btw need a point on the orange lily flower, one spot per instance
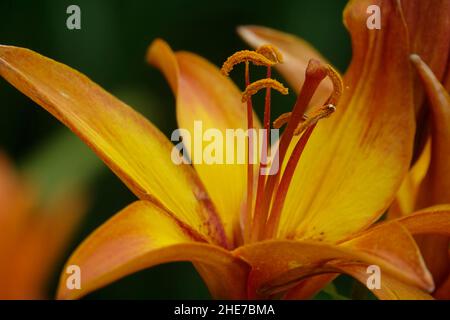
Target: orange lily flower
(427, 25)
(32, 237)
(338, 176)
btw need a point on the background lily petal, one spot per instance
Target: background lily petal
(143, 235)
(45, 235)
(33, 233)
(15, 202)
(130, 145)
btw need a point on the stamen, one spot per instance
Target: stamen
(271, 52)
(249, 210)
(254, 87)
(245, 56)
(256, 58)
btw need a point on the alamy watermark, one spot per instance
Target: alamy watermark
(374, 19)
(374, 279)
(73, 21)
(73, 281)
(225, 147)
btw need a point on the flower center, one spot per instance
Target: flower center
(262, 214)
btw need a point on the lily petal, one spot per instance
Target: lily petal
(428, 26)
(434, 220)
(403, 253)
(130, 145)
(446, 80)
(355, 161)
(204, 94)
(443, 292)
(296, 53)
(309, 287)
(406, 198)
(435, 187)
(143, 235)
(390, 289)
(388, 246)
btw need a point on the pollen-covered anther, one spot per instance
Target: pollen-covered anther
(313, 117)
(282, 120)
(254, 87)
(338, 86)
(245, 56)
(270, 52)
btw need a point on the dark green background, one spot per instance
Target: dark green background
(110, 49)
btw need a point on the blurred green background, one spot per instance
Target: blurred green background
(110, 49)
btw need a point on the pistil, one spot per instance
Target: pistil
(315, 73)
(305, 128)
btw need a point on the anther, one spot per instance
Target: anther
(338, 86)
(312, 118)
(270, 52)
(245, 56)
(254, 87)
(282, 120)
